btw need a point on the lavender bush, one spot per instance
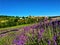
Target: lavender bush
(43, 33)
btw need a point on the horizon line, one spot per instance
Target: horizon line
(28, 15)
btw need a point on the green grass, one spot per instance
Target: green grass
(14, 27)
(8, 39)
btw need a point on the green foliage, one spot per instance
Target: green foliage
(8, 21)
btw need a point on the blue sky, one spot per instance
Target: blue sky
(30, 7)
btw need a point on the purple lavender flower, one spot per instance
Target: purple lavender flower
(42, 30)
(50, 23)
(59, 23)
(56, 21)
(49, 42)
(40, 34)
(54, 38)
(16, 41)
(34, 26)
(20, 40)
(55, 42)
(27, 28)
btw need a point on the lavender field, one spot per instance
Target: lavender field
(29, 22)
(45, 32)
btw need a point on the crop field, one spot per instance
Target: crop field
(45, 32)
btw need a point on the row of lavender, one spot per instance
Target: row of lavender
(43, 33)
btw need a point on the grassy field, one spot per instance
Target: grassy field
(13, 27)
(8, 38)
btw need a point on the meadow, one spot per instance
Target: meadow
(46, 32)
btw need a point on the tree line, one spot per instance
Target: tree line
(8, 21)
